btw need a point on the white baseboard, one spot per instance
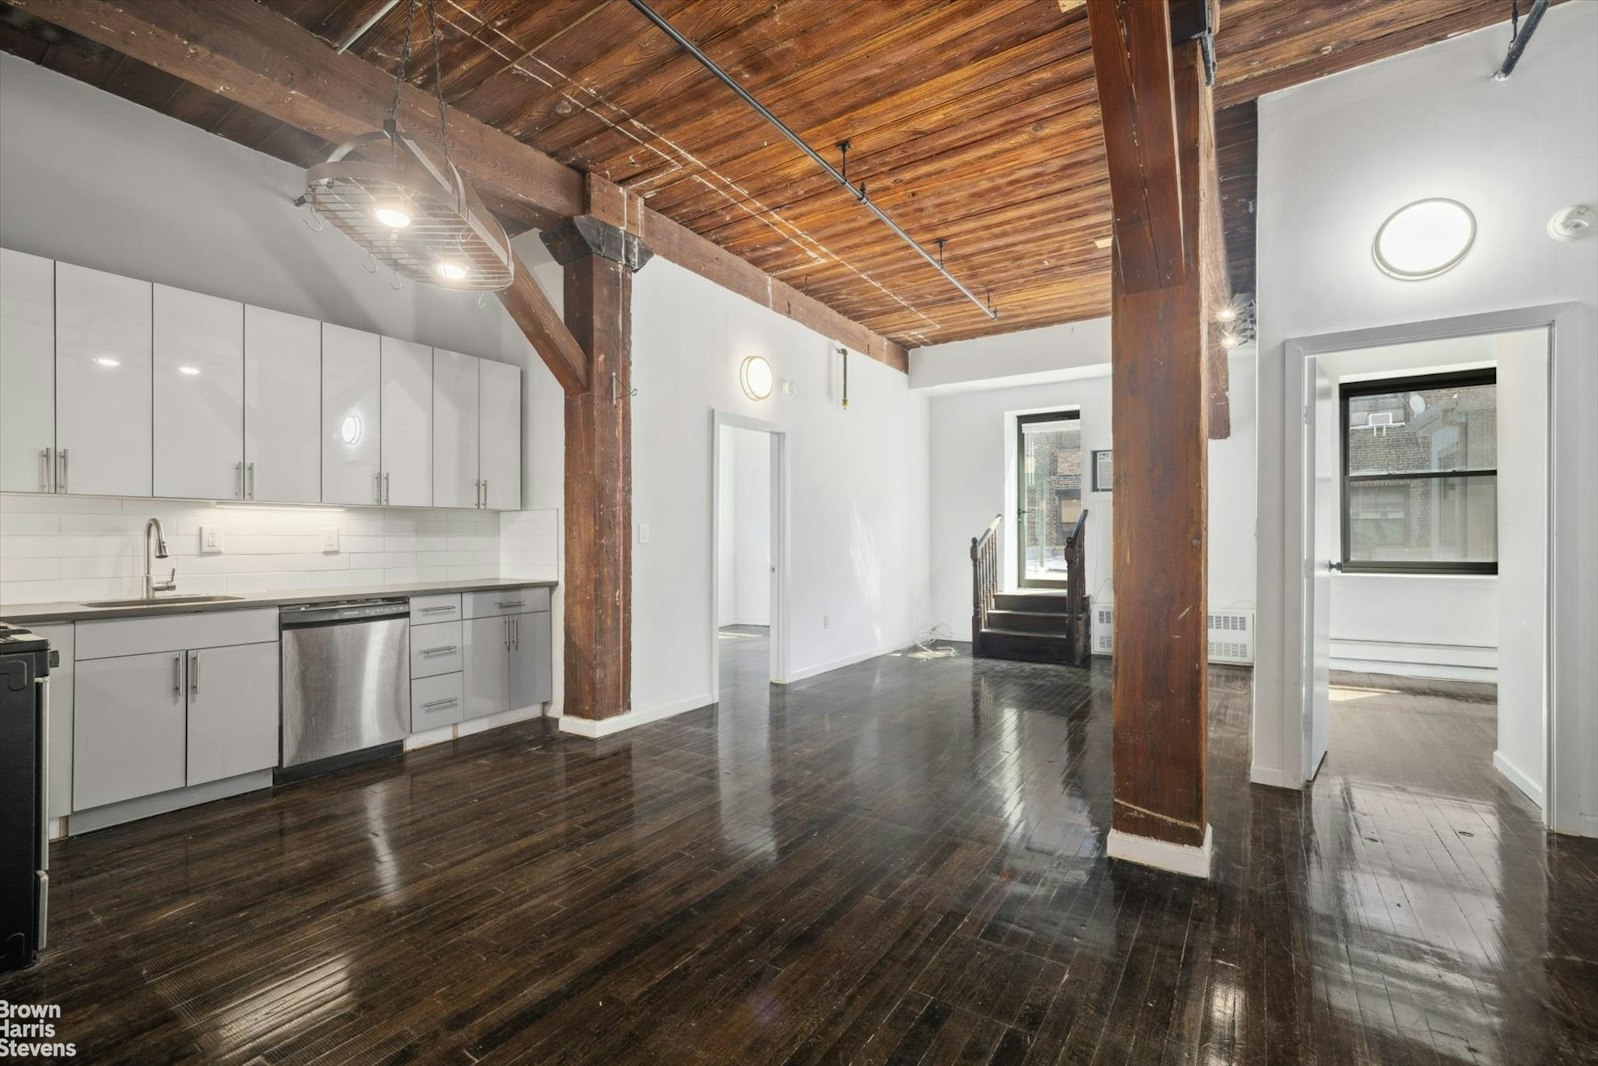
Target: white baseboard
(1518, 778)
(1162, 855)
(604, 727)
(1437, 662)
(838, 664)
(1274, 776)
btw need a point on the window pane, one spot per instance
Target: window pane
(1423, 429)
(1051, 493)
(1425, 520)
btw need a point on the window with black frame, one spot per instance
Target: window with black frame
(1420, 474)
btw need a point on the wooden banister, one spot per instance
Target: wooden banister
(984, 577)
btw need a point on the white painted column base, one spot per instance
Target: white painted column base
(1162, 855)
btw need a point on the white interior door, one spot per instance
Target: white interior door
(199, 396)
(455, 430)
(351, 398)
(282, 406)
(500, 440)
(1323, 461)
(407, 442)
(102, 364)
(27, 372)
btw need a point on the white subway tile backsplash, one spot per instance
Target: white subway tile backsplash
(74, 548)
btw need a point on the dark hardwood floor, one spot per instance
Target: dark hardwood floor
(898, 862)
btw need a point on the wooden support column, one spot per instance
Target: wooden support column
(599, 259)
(1160, 410)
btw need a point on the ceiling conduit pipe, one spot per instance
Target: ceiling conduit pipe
(799, 142)
(1522, 34)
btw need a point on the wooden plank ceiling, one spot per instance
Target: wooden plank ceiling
(975, 121)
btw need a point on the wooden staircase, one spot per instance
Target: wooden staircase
(1032, 625)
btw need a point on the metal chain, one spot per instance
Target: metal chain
(405, 59)
(438, 83)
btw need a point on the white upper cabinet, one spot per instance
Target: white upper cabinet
(282, 407)
(352, 376)
(103, 379)
(199, 396)
(500, 439)
(407, 437)
(27, 373)
(455, 421)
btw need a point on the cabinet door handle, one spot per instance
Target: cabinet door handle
(503, 604)
(447, 649)
(194, 673)
(377, 481)
(516, 632)
(177, 675)
(238, 472)
(387, 496)
(505, 623)
(44, 472)
(251, 491)
(485, 493)
(61, 480)
(439, 703)
(434, 610)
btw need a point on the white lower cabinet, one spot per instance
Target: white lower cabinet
(233, 711)
(129, 725)
(168, 702)
(508, 663)
(435, 702)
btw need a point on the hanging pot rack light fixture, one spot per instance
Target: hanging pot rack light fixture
(407, 206)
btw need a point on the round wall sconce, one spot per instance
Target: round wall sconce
(756, 378)
(1424, 239)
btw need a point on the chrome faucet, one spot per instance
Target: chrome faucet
(151, 585)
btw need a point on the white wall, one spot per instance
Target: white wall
(744, 517)
(972, 456)
(1336, 157)
(857, 511)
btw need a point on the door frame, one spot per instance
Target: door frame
(779, 544)
(1568, 762)
(1071, 414)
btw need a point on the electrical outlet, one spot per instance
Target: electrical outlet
(330, 539)
(643, 533)
(211, 542)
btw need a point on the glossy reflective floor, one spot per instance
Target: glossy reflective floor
(898, 862)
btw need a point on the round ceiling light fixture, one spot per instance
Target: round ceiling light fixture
(1424, 239)
(756, 378)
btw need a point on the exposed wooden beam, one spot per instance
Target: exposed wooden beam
(257, 58)
(538, 320)
(598, 265)
(1160, 366)
(1132, 64)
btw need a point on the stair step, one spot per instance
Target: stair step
(1027, 647)
(1029, 621)
(1032, 602)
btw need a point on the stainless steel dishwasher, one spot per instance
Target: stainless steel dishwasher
(346, 683)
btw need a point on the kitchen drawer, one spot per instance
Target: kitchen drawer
(435, 701)
(506, 601)
(175, 632)
(435, 649)
(426, 610)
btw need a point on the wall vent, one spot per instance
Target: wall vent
(1231, 634)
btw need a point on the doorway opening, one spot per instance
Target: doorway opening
(1427, 598)
(747, 591)
(1048, 495)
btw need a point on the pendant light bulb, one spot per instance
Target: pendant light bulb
(450, 270)
(393, 216)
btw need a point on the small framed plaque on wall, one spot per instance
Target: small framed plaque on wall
(1102, 473)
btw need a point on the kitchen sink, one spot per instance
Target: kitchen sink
(155, 601)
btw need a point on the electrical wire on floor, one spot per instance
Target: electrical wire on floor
(931, 642)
